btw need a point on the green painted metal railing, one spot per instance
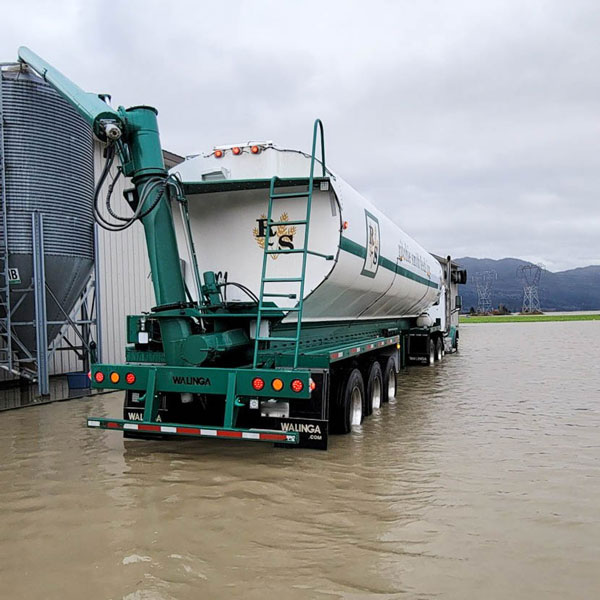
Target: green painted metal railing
(304, 251)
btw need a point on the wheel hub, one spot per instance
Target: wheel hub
(376, 397)
(356, 407)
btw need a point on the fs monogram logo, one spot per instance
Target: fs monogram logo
(280, 236)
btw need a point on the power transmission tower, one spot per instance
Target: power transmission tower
(483, 282)
(530, 276)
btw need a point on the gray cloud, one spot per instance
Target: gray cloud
(472, 124)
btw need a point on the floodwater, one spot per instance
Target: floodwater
(482, 480)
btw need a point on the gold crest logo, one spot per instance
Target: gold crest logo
(281, 237)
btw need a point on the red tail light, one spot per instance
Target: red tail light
(312, 385)
(255, 149)
(258, 383)
(99, 376)
(236, 150)
(297, 385)
(218, 153)
(130, 378)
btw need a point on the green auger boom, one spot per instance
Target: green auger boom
(135, 132)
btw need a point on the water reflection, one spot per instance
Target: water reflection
(479, 481)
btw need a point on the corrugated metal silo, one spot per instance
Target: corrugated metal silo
(46, 168)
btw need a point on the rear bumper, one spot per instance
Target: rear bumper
(200, 380)
(162, 429)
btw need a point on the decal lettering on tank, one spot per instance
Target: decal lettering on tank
(281, 237)
(373, 245)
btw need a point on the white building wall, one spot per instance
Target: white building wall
(125, 284)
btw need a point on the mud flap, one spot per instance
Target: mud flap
(313, 432)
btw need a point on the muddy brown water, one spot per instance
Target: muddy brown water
(482, 480)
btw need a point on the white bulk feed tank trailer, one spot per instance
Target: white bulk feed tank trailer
(308, 300)
(378, 271)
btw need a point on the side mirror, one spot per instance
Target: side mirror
(458, 302)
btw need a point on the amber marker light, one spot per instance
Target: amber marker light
(115, 377)
(297, 385)
(99, 377)
(345, 225)
(258, 383)
(130, 378)
(311, 385)
(218, 153)
(236, 150)
(277, 384)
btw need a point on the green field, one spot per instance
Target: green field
(527, 318)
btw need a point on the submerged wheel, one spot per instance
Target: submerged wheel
(374, 388)
(439, 349)
(431, 355)
(389, 380)
(348, 408)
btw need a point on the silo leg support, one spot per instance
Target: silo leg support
(39, 291)
(151, 398)
(231, 401)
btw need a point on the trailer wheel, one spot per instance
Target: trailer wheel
(431, 355)
(374, 388)
(348, 409)
(389, 380)
(439, 349)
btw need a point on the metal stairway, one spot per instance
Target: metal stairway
(264, 311)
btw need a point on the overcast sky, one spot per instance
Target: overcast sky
(475, 125)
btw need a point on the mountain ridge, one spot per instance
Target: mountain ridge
(569, 290)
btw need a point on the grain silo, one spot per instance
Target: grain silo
(46, 196)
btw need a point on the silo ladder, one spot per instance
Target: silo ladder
(6, 354)
(264, 311)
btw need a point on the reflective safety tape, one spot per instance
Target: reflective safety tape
(195, 431)
(353, 351)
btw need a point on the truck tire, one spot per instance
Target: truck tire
(374, 388)
(389, 380)
(431, 355)
(349, 406)
(439, 349)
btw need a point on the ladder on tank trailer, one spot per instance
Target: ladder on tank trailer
(264, 311)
